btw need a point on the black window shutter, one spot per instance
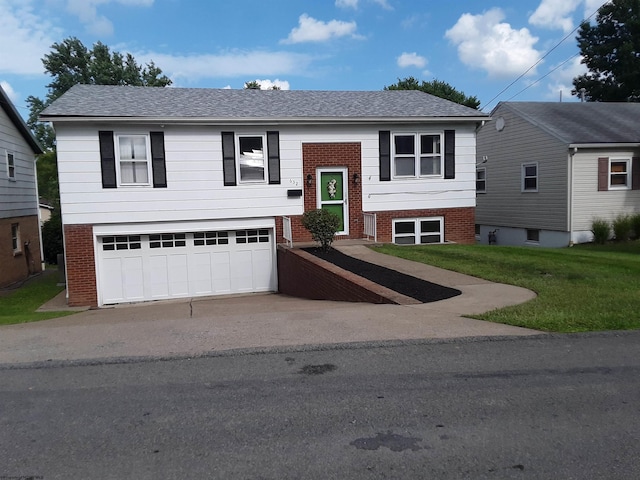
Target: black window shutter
(158, 164)
(228, 158)
(384, 141)
(449, 154)
(603, 174)
(107, 159)
(273, 152)
(635, 173)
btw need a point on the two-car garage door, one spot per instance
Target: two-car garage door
(156, 266)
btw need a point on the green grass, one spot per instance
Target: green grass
(20, 305)
(582, 288)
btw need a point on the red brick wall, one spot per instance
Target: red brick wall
(81, 265)
(315, 155)
(17, 267)
(303, 275)
(459, 223)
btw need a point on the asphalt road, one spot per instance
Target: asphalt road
(559, 407)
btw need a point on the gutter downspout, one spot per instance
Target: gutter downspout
(570, 195)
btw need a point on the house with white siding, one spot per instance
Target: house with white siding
(547, 170)
(20, 239)
(172, 192)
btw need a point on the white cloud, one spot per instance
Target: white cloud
(347, 3)
(190, 68)
(555, 14)
(411, 60)
(11, 93)
(87, 13)
(562, 79)
(486, 42)
(311, 30)
(267, 84)
(25, 38)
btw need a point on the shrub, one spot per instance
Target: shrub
(601, 230)
(52, 238)
(635, 225)
(323, 225)
(622, 227)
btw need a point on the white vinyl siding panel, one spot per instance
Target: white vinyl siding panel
(18, 197)
(588, 202)
(504, 203)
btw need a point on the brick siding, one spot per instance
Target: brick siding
(81, 265)
(17, 267)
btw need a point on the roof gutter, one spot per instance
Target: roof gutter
(575, 146)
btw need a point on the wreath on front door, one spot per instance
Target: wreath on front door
(331, 187)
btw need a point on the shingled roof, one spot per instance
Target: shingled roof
(582, 122)
(126, 102)
(19, 123)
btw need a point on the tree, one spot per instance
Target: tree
(438, 88)
(611, 51)
(255, 85)
(70, 62)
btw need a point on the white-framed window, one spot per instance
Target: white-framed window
(15, 238)
(417, 155)
(11, 166)
(132, 152)
(529, 177)
(201, 239)
(121, 242)
(619, 169)
(252, 236)
(252, 164)
(416, 231)
(481, 180)
(167, 240)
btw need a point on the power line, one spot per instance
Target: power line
(541, 59)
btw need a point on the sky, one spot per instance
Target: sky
(495, 50)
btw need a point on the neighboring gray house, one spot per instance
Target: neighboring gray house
(20, 252)
(546, 170)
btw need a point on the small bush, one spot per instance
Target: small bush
(601, 230)
(622, 228)
(635, 225)
(52, 243)
(323, 225)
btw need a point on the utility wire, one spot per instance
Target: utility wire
(541, 59)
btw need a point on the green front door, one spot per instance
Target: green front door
(332, 194)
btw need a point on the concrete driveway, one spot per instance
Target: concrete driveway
(198, 326)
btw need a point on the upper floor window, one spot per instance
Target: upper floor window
(11, 166)
(530, 177)
(619, 173)
(252, 158)
(417, 155)
(481, 180)
(133, 159)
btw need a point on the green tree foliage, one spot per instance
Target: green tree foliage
(48, 178)
(611, 51)
(70, 62)
(255, 85)
(52, 243)
(437, 88)
(323, 226)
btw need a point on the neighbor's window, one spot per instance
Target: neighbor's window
(412, 231)
(15, 238)
(417, 155)
(619, 173)
(252, 164)
(530, 177)
(533, 235)
(133, 159)
(481, 180)
(11, 166)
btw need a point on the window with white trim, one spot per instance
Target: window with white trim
(530, 177)
(201, 239)
(416, 231)
(252, 163)
(481, 180)
(417, 155)
(619, 178)
(15, 238)
(252, 236)
(132, 153)
(167, 240)
(11, 166)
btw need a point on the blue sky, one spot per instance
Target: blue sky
(478, 46)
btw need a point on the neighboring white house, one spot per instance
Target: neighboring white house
(20, 252)
(547, 170)
(171, 192)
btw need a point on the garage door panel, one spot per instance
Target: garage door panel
(262, 262)
(221, 273)
(242, 274)
(178, 275)
(133, 278)
(200, 278)
(158, 279)
(112, 285)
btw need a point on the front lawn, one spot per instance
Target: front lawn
(582, 288)
(20, 305)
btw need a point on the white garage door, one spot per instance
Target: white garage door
(136, 268)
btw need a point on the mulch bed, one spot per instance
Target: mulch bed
(413, 287)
